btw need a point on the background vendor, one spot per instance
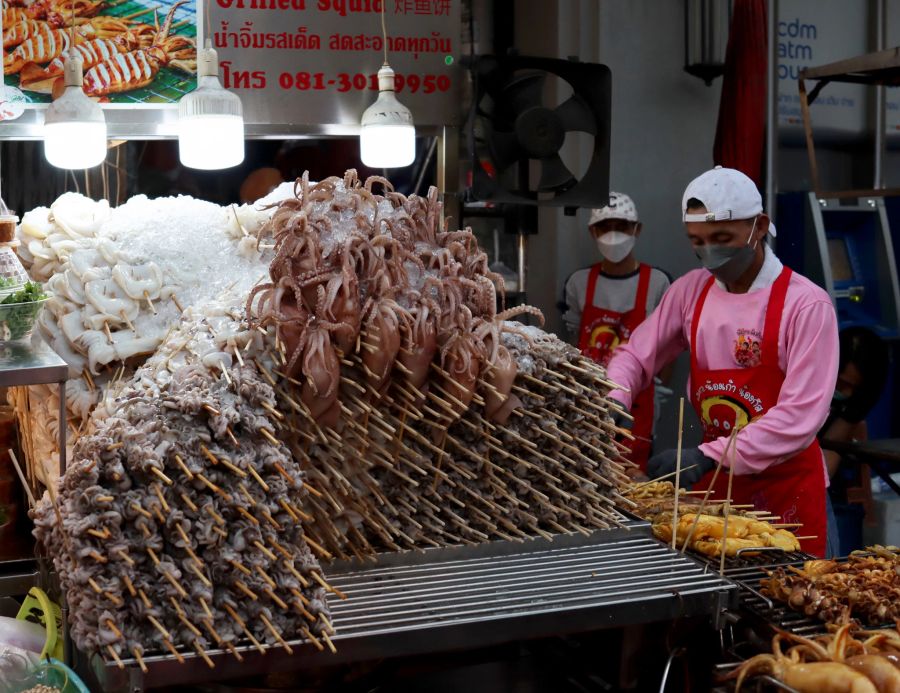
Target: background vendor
(604, 303)
(764, 357)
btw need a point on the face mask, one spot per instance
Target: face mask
(615, 245)
(839, 396)
(726, 262)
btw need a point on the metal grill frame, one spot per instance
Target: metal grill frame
(594, 582)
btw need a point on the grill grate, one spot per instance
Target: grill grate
(475, 596)
(523, 584)
(774, 612)
(755, 560)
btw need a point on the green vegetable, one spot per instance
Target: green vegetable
(17, 320)
(30, 292)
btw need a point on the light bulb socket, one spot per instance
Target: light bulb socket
(207, 61)
(73, 70)
(386, 78)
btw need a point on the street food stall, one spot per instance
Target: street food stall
(307, 432)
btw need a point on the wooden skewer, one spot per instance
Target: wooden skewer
(232, 468)
(246, 590)
(187, 472)
(21, 476)
(677, 472)
(258, 478)
(115, 446)
(240, 622)
(213, 487)
(161, 475)
(268, 554)
(328, 642)
(175, 653)
(140, 660)
(127, 321)
(108, 333)
(97, 557)
(807, 538)
(202, 653)
(225, 372)
(231, 435)
(327, 623)
(328, 588)
(312, 638)
(129, 585)
(105, 534)
(231, 648)
(274, 631)
(199, 573)
(663, 478)
(206, 452)
(788, 525)
(158, 491)
(250, 518)
(187, 624)
(149, 302)
(268, 435)
(318, 548)
(159, 626)
(727, 513)
(112, 652)
(188, 502)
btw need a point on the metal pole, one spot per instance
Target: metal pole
(772, 108)
(880, 41)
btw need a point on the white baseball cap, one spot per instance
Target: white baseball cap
(620, 207)
(726, 193)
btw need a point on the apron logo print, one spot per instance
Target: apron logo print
(747, 349)
(723, 413)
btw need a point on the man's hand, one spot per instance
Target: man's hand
(621, 418)
(694, 464)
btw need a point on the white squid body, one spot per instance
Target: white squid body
(79, 216)
(139, 281)
(124, 345)
(111, 301)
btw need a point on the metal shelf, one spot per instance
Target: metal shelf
(22, 364)
(470, 597)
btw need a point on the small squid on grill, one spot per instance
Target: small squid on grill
(138, 68)
(41, 78)
(99, 27)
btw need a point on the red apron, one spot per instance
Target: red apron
(601, 331)
(735, 397)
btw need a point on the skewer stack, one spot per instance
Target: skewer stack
(424, 417)
(176, 528)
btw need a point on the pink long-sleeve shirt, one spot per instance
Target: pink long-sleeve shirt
(807, 354)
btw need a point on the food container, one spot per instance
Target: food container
(8, 227)
(17, 319)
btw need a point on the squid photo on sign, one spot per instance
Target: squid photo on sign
(132, 51)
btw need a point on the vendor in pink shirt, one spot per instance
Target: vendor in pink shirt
(764, 356)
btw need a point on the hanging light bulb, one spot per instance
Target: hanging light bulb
(388, 136)
(74, 126)
(210, 119)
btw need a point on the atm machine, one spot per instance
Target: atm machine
(844, 245)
